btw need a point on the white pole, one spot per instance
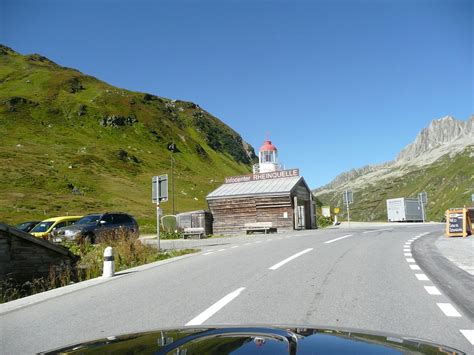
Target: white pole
(348, 214)
(158, 224)
(423, 210)
(109, 263)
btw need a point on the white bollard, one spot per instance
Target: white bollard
(109, 263)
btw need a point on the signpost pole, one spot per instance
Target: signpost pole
(423, 211)
(158, 224)
(348, 213)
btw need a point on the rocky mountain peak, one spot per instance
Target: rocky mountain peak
(440, 132)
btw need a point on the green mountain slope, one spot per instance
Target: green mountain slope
(73, 144)
(448, 181)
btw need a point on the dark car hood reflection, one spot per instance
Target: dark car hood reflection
(257, 340)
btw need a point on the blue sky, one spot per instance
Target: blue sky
(337, 84)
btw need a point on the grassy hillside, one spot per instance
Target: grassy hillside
(449, 183)
(73, 144)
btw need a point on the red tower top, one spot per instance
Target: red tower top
(267, 146)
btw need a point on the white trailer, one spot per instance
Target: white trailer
(404, 210)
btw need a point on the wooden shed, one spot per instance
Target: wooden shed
(281, 197)
(24, 257)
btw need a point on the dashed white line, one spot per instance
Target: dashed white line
(247, 243)
(235, 246)
(377, 230)
(281, 263)
(432, 290)
(407, 254)
(209, 252)
(410, 260)
(414, 267)
(449, 310)
(469, 334)
(202, 317)
(422, 277)
(335, 240)
(221, 249)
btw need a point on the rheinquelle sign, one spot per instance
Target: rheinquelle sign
(263, 176)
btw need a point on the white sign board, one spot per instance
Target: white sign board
(347, 197)
(159, 188)
(326, 211)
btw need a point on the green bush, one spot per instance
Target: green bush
(324, 221)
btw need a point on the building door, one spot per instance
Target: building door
(301, 217)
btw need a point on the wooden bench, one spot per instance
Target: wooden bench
(191, 232)
(266, 227)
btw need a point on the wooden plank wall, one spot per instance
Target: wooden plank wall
(23, 260)
(231, 214)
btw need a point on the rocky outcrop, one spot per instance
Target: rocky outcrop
(440, 132)
(117, 121)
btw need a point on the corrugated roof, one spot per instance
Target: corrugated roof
(259, 187)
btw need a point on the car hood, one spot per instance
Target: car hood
(261, 340)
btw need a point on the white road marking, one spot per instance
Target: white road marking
(410, 260)
(209, 252)
(259, 241)
(377, 230)
(432, 290)
(408, 254)
(201, 318)
(335, 240)
(406, 249)
(281, 263)
(414, 267)
(422, 277)
(469, 334)
(247, 243)
(221, 249)
(408, 243)
(235, 246)
(449, 310)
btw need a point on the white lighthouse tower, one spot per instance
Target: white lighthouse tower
(267, 159)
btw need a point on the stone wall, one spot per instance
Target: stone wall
(24, 257)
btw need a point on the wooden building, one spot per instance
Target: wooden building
(272, 195)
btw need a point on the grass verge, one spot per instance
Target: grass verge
(128, 251)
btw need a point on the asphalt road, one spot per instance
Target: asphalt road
(359, 278)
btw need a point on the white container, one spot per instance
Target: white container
(404, 210)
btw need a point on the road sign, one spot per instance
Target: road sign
(159, 188)
(347, 197)
(336, 210)
(423, 198)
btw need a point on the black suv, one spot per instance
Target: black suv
(93, 226)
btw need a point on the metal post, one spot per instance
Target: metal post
(423, 210)
(172, 179)
(158, 225)
(348, 214)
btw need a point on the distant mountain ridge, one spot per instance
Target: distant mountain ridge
(444, 143)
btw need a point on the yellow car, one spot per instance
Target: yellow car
(44, 228)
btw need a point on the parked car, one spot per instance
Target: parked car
(44, 228)
(27, 226)
(95, 225)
